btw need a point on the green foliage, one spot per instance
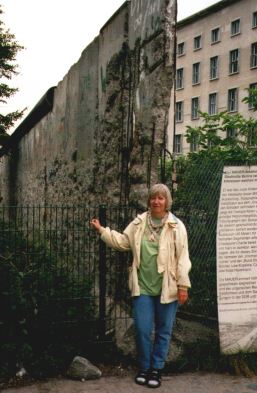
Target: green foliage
(251, 98)
(213, 141)
(8, 52)
(44, 312)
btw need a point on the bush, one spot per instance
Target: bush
(43, 310)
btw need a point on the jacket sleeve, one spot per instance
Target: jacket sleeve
(118, 241)
(183, 260)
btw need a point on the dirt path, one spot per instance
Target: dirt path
(182, 383)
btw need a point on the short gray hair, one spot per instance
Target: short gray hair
(160, 189)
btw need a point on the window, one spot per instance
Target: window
(254, 22)
(234, 61)
(212, 103)
(235, 27)
(196, 74)
(231, 132)
(180, 78)
(215, 35)
(195, 106)
(214, 67)
(178, 144)
(254, 55)
(179, 111)
(194, 144)
(181, 49)
(232, 100)
(251, 99)
(198, 42)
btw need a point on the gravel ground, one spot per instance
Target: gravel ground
(177, 383)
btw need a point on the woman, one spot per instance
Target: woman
(158, 278)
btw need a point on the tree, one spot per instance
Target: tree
(8, 52)
(229, 137)
(251, 98)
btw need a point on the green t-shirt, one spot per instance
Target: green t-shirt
(150, 281)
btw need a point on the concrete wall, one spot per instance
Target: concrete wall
(102, 140)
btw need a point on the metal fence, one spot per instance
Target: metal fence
(62, 270)
(67, 275)
(196, 200)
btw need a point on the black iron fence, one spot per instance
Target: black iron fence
(54, 266)
(66, 275)
(196, 200)
(61, 289)
(55, 270)
(197, 184)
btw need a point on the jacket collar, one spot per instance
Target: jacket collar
(172, 220)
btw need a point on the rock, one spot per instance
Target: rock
(83, 369)
(191, 334)
(186, 335)
(21, 373)
(125, 337)
(126, 342)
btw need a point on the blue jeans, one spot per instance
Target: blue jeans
(148, 313)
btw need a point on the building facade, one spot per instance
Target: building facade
(216, 61)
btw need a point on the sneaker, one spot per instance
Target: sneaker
(154, 378)
(141, 377)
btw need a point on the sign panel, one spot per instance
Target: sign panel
(237, 260)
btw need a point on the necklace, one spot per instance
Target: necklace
(155, 228)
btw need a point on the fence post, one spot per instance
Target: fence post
(102, 275)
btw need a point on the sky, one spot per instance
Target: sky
(54, 33)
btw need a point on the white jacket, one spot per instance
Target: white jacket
(172, 260)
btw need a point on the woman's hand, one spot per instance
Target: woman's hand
(95, 223)
(182, 296)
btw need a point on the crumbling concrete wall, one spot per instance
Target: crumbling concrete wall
(103, 138)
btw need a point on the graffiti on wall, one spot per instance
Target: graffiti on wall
(145, 17)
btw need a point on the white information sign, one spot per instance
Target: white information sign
(237, 260)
